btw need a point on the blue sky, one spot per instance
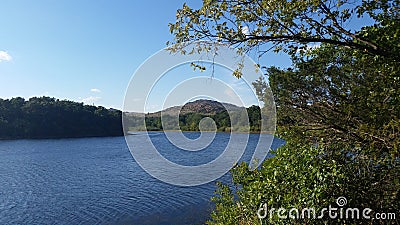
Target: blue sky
(79, 50)
(66, 48)
(82, 50)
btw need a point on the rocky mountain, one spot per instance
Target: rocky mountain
(202, 106)
(227, 118)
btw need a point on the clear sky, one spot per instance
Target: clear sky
(82, 50)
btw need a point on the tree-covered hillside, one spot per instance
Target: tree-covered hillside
(47, 117)
(227, 117)
(190, 121)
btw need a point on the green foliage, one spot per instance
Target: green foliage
(347, 104)
(190, 121)
(297, 177)
(51, 118)
(300, 176)
(337, 106)
(287, 26)
(337, 94)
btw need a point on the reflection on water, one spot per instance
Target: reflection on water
(96, 181)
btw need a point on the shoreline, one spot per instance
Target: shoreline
(57, 138)
(235, 132)
(121, 135)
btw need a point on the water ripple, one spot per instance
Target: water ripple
(93, 181)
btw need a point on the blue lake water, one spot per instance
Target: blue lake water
(97, 181)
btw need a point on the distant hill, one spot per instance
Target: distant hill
(202, 106)
(192, 113)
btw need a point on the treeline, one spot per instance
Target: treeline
(337, 107)
(47, 117)
(224, 122)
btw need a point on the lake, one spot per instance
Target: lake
(97, 181)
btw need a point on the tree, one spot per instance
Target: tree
(289, 25)
(47, 117)
(337, 106)
(337, 94)
(339, 115)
